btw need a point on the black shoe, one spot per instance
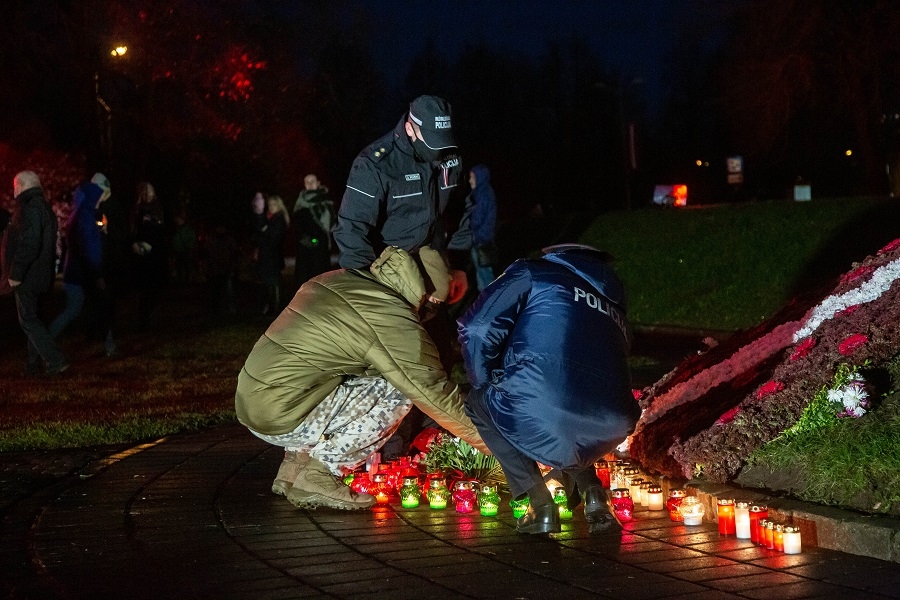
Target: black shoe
(541, 519)
(599, 512)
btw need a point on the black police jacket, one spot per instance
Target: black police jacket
(394, 199)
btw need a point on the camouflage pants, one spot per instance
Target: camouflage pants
(351, 423)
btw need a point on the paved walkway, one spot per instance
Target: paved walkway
(193, 517)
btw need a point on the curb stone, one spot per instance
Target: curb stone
(827, 527)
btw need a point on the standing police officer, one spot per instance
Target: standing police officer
(398, 188)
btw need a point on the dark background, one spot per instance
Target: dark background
(583, 106)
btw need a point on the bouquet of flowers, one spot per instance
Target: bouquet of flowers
(460, 460)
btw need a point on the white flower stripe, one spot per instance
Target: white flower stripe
(881, 280)
(744, 359)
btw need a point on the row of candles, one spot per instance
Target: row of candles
(403, 482)
(740, 519)
(400, 480)
(751, 522)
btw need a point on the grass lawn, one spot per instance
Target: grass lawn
(729, 267)
(176, 377)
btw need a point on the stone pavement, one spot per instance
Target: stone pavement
(192, 516)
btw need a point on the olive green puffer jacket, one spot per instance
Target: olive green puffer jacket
(342, 324)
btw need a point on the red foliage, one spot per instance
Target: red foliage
(857, 273)
(803, 348)
(729, 416)
(890, 247)
(769, 388)
(852, 343)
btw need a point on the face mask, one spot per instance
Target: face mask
(425, 153)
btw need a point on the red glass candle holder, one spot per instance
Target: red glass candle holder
(464, 496)
(673, 502)
(380, 488)
(725, 516)
(761, 531)
(770, 535)
(757, 513)
(623, 505)
(778, 537)
(361, 482)
(601, 467)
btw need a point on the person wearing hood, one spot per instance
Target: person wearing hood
(335, 373)
(28, 257)
(399, 188)
(484, 224)
(83, 263)
(545, 348)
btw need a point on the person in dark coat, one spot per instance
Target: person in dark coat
(484, 224)
(29, 263)
(83, 263)
(399, 188)
(115, 236)
(149, 251)
(269, 240)
(314, 216)
(545, 348)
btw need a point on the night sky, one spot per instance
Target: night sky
(635, 38)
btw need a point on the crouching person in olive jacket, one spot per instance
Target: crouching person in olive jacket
(336, 372)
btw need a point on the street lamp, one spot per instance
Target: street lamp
(103, 108)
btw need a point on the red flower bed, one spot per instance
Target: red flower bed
(714, 429)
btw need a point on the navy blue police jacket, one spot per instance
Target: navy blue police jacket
(547, 343)
(394, 199)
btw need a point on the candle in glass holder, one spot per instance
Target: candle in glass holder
(464, 496)
(779, 537)
(361, 483)
(761, 531)
(757, 512)
(437, 494)
(623, 505)
(742, 520)
(519, 507)
(489, 501)
(692, 510)
(725, 516)
(426, 484)
(645, 493)
(559, 497)
(634, 489)
(655, 497)
(601, 467)
(409, 492)
(380, 488)
(676, 497)
(792, 543)
(770, 534)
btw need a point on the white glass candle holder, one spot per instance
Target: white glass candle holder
(742, 520)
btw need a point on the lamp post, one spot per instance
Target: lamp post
(104, 111)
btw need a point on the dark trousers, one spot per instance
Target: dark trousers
(522, 472)
(40, 342)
